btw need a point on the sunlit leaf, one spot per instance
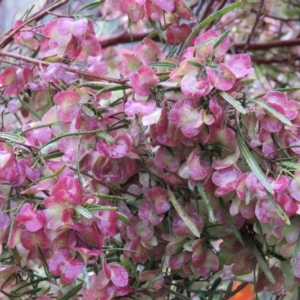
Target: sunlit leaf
(233, 102)
(253, 164)
(207, 21)
(72, 292)
(187, 220)
(262, 263)
(273, 111)
(90, 6)
(229, 219)
(279, 210)
(206, 203)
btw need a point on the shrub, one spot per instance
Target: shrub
(161, 170)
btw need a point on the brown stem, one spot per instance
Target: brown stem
(276, 18)
(125, 38)
(69, 69)
(35, 17)
(258, 15)
(269, 45)
(277, 59)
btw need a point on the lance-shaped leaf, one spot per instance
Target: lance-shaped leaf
(187, 220)
(233, 102)
(263, 265)
(252, 163)
(296, 260)
(205, 22)
(12, 137)
(229, 219)
(207, 203)
(279, 210)
(273, 111)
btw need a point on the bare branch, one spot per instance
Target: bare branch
(36, 17)
(258, 16)
(69, 69)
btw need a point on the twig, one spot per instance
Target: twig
(69, 69)
(254, 26)
(36, 17)
(269, 45)
(277, 18)
(125, 38)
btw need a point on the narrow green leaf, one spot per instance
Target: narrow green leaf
(110, 197)
(72, 292)
(238, 106)
(83, 211)
(161, 64)
(263, 265)
(113, 88)
(284, 90)
(123, 218)
(31, 283)
(99, 207)
(206, 43)
(88, 111)
(178, 295)
(53, 155)
(29, 109)
(187, 220)
(27, 12)
(157, 29)
(58, 172)
(278, 209)
(96, 85)
(36, 127)
(253, 164)
(273, 111)
(12, 137)
(247, 80)
(291, 89)
(36, 52)
(229, 219)
(248, 196)
(33, 291)
(291, 165)
(98, 132)
(207, 203)
(90, 6)
(296, 251)
(228, 290)
(169, 84)
(207, 21)
(215, 284)
(221, 38)
(195, 64)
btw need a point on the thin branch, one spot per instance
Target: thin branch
(126, 38)
(69, 69)
(278, 59)
(35, 17)
(258, 16)
(277, 18)
(269, 45)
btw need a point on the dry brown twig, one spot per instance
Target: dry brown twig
(9, 35)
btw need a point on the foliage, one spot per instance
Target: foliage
(149, 171)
